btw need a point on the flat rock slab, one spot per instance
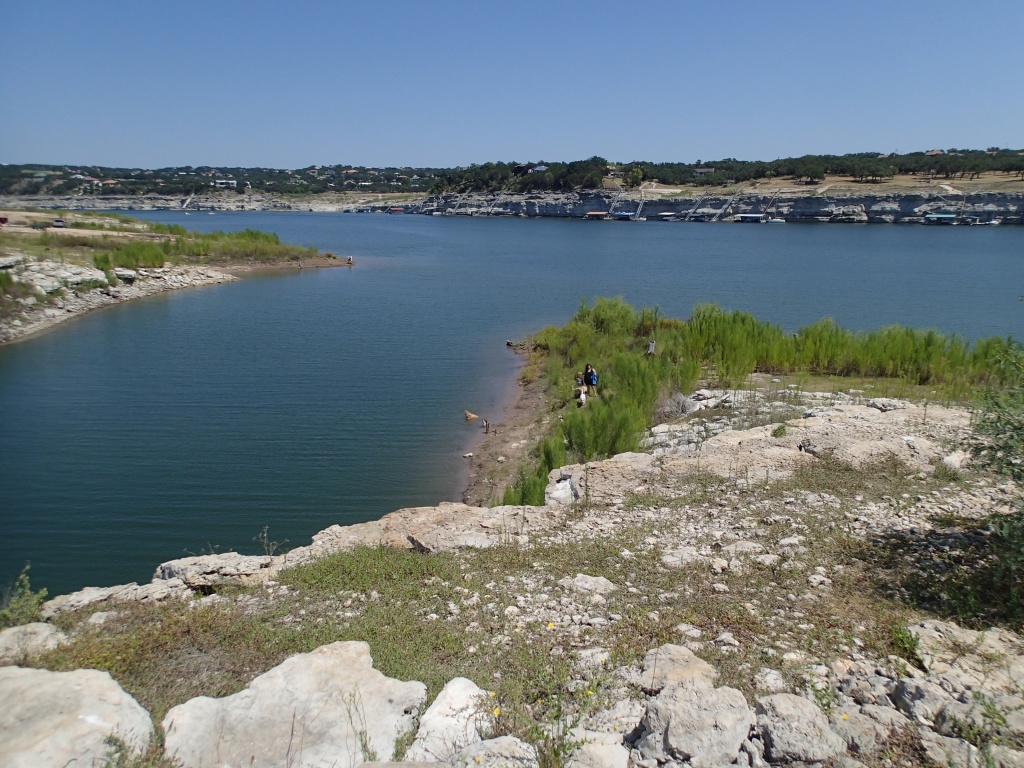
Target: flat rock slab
(992, 660)
(502, 752)
(444, 528)
(155, 592)
(65, 718)
(329, 707)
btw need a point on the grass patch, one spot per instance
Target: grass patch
(726, 348)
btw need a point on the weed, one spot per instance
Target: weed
(779, 431)
(20, 604)
(120, 755)
(905, 644)
(263, 539)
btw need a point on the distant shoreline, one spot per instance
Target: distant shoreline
(826, 203)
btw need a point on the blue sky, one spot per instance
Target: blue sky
(287, 85)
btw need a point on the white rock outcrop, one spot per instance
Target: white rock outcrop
(694, 722)
(28, 640)
(65, 718)
(329, 707)
(451, 723)
(794, 729)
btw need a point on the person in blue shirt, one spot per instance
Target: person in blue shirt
(590, 379)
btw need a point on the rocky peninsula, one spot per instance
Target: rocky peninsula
(767, 583)
(48, 285)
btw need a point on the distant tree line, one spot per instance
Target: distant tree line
(496, 177)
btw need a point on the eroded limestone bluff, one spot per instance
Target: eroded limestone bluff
(811, 206)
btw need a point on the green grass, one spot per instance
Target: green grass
(724, 348)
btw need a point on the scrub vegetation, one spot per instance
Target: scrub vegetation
(723, 348)
(183, 247)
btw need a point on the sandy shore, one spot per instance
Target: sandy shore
(498, 454)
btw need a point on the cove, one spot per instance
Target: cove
(185, 422)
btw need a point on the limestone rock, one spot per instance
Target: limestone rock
(125, 275)
(27, 640)
(597, 750)
(695, 722)
(861, 734)
(444, 528)
(593, 585)
(919, 700)
(993, 659)
(155, 592)
(794, 729)
(452, 722)
(215, 570)
(677, 558)
(673, 664)
(561, 491)
(64, 718)
(502, 752)
(770, 680)
(326, 707)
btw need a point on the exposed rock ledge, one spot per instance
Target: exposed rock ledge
(60, 291)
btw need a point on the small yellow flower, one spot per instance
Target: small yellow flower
(590, 693)
(551, 625)
(492, 694)
(497, 711)
(479, 760)
(844, 717)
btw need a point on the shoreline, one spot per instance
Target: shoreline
(832, 202)
(39, 318)
(493, 459)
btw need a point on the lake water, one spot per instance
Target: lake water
(185, 422)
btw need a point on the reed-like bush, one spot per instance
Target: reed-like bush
(725, 347)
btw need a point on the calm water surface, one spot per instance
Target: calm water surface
(184, 423)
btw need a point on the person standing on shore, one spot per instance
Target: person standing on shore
(590, 379)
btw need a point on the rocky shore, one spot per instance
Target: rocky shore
(790, 205)
(747, 539)
(63, 291)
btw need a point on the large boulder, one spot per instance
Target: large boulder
(673, 664)
(224, 568)
(326, 707)
(793, 729)
(65, 718)
(28, 640)
(695, 722)
(451, 723)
